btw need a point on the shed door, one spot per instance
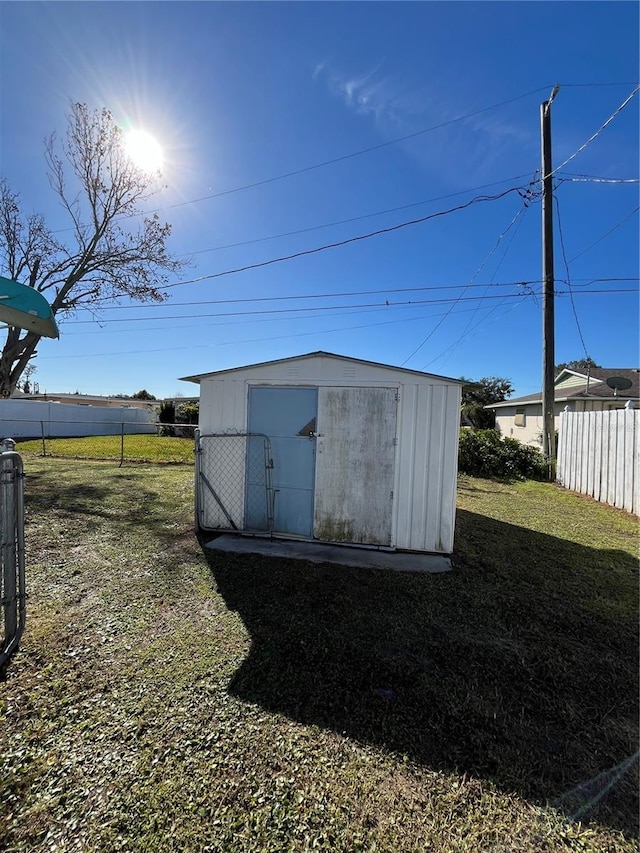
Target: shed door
(288, 417)
(355, 465)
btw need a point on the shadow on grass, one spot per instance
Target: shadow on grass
(70, 498)
(519, 667)
(119, 495)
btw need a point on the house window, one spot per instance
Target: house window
(520, 418)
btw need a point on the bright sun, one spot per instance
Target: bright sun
(143, 150)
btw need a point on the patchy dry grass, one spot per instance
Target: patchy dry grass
(165, 699)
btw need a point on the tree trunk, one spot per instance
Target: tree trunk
(15, 357)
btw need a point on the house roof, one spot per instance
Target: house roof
(319, 354)
(593, 387)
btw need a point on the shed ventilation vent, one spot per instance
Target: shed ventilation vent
(293, 371)
(349, 373)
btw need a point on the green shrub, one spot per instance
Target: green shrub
(483, 453)
(188, 413)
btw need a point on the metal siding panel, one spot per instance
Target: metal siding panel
(436, 439)
(355, 466)
(406, 468)
(420, 462)
(449, 480)
(327, 369)
(222, 406)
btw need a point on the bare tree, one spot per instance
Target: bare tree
(109, 254)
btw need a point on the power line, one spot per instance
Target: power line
(510, 308)
(353, 218)
(596, 134)
(566, 266)
(588, 178)
(604, 236)
(384, 305)
(358, 153)
(337, 308)
(515, 224)
(243, 321)
(473, 330)
(342, 293)
(587, 85)
(352, 154)
(327, 331)
(348, 241)
(334, 294)
(486, 260)
(377, 147)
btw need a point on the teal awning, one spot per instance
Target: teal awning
(24, 307)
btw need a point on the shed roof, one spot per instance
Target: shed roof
(319, 354)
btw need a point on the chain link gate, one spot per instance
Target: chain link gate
(12, 575)
(234, 489)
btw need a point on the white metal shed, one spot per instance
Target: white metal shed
(330, 448)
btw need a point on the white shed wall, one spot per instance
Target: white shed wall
(427, 434)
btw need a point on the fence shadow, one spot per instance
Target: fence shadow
(523, 672)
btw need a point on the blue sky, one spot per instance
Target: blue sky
(244, 93)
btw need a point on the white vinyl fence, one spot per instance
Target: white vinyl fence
(33, 419)
(599, 455)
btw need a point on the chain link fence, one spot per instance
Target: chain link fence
(233, 482)
(12, 575)
(120, 442)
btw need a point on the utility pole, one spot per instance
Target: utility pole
(548, 315)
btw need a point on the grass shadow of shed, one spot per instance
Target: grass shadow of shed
(522, 670)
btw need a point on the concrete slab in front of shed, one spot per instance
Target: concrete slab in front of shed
(316, 552)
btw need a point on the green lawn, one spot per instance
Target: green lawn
(131, 448)
(168, 699)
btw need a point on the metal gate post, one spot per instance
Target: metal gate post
(196, 484)
(9, 586)
(12, 549)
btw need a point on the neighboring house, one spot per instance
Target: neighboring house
(357, 452)
(90, 400)
(521, 417)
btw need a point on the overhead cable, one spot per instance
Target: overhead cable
(386, 305)
(353, 154)
(595, 135)
(527, 199)
(353, 218)
(348, 241)
(566, 266)
(605, 235)
(206, 346)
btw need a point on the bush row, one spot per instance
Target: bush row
(483, 453)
